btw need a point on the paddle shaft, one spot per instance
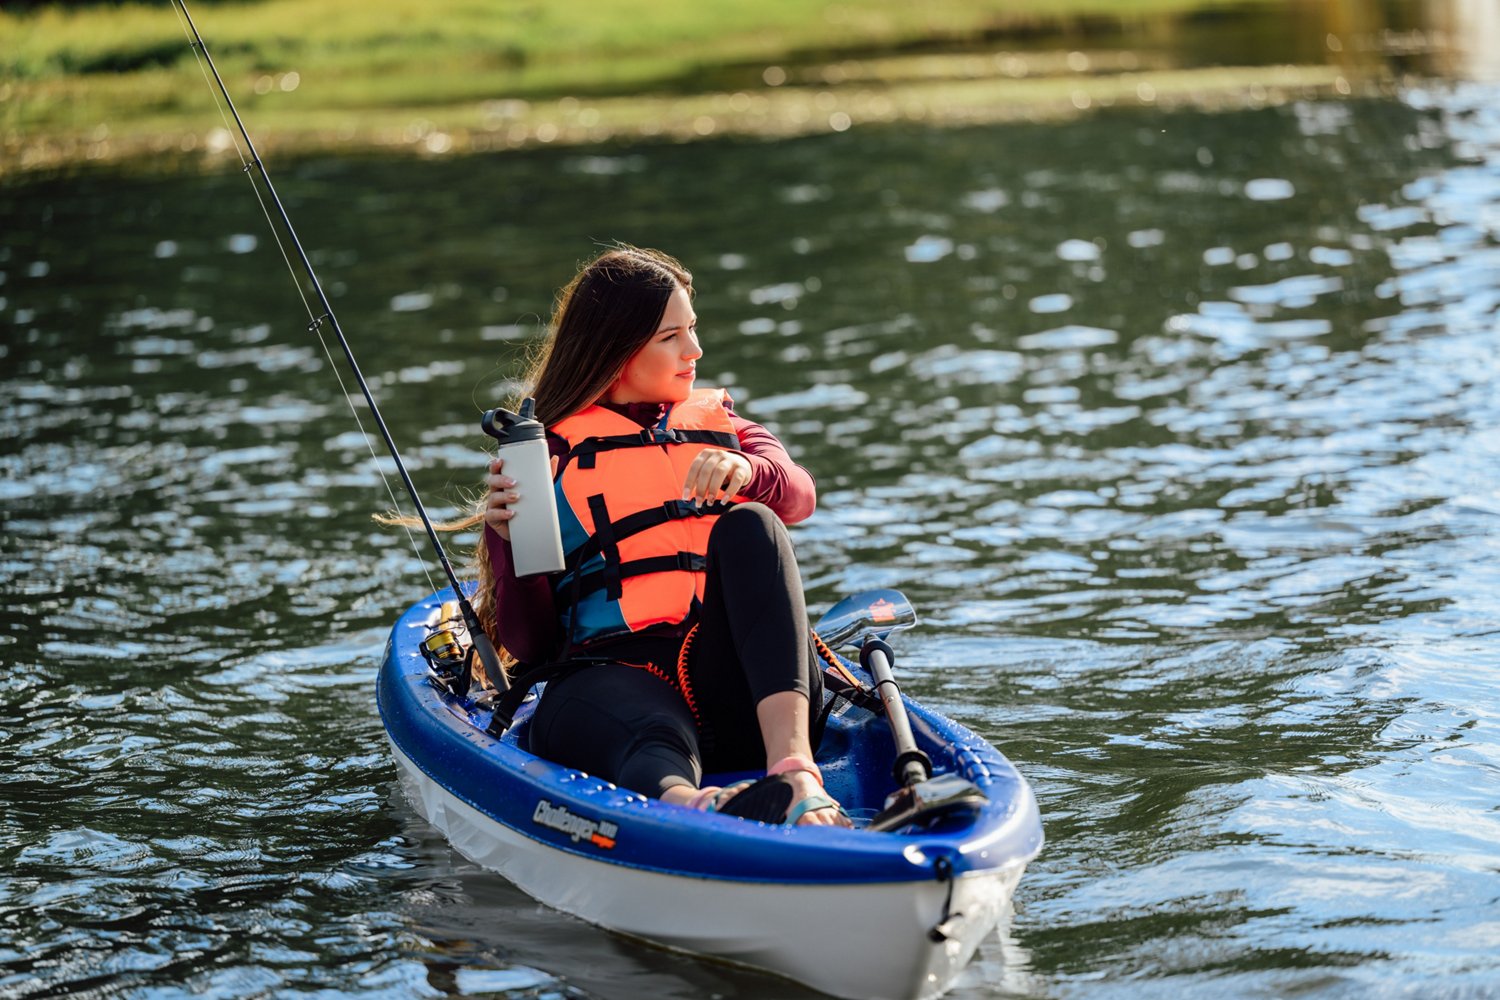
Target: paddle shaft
(481, 641)
(912, 765)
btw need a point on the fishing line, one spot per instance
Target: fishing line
(247, 168)
(482, 647)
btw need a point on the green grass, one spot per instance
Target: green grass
(533, 45)
(67, 74)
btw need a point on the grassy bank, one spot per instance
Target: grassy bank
(116, 81)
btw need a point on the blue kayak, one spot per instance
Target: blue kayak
(905, 908)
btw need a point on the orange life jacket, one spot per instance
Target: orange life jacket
(635, 550)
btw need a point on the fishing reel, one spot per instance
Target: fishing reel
(449, 659)
(453, 662)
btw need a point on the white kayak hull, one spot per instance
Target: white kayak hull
(866, 941)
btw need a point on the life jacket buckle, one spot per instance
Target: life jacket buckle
(692, 562)
(680, 510)
(660, 435)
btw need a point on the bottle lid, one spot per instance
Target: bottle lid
(510, 428)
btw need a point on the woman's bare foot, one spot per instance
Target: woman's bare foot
(693, 798)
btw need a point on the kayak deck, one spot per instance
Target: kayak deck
(445, 736)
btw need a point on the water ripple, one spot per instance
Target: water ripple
(1193, 486)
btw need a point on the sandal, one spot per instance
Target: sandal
(717, 799)
(812, 804)
(771, 799)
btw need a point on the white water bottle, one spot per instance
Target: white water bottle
(535, 540)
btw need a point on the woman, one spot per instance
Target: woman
(681, 617)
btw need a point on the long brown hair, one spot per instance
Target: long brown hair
(600, 319)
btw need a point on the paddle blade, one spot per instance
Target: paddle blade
(925, 801)
(870, 614)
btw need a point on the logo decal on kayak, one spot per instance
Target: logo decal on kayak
(882, 611)
(595, 831)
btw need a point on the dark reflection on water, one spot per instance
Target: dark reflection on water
(1179, 429)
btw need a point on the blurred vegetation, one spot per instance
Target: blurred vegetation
(447, 49)
(71, 74)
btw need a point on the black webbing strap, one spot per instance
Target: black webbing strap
(820, 724)
(586, 450)
(571, 608)
(864, 698)
(837, 686)
(604, 535)
(605, 541)
(586, 584)
(642, 520)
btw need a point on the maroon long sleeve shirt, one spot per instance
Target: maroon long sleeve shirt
(526, 618)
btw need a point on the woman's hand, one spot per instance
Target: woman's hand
(503, 493)
(716, 474)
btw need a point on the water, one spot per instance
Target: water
(1178, 429)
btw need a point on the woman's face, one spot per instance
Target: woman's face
(663, 370)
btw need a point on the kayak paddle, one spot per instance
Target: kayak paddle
(864, 620)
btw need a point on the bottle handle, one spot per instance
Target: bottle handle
(496, 422)
(487, 423)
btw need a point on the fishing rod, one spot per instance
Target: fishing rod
(481, 640)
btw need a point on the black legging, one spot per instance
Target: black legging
(629, 726)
